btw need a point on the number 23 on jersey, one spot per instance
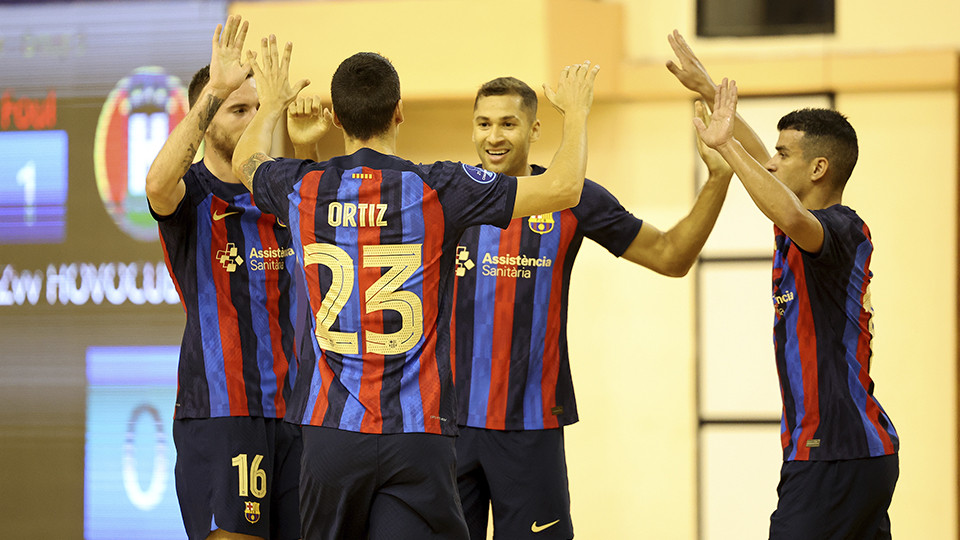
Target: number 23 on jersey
(402, 260)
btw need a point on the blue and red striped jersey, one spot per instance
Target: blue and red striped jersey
(510, 312)
(233, 267)
(376, 237)
(823, 329)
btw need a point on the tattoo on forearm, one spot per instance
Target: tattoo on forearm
(250, 166)
(188, 158)
(211, 106)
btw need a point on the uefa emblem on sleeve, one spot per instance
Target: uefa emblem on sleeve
(138, 115)
(478, 175)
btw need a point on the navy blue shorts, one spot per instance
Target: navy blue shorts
(240, 472)
(835, 500)
(523, 474)
(368, 486)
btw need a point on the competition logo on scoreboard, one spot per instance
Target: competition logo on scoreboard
(139, 114)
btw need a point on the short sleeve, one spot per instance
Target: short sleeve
(843, 231)
(474, 196)
(604, 220)
(192, 194)
(274, 180)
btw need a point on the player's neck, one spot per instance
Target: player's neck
(820, 199)
(220, 167)
(386, 144)
(525, 170)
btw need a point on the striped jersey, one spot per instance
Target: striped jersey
(376, 237)
(823, 328)
(233, 267)
(510, 312)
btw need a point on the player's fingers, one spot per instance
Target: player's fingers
(241, 35)
(582, 70)
(701, 127)
(285, 61)
(254, 65)
(229, 29)
(549, 93)
(700, 111)
(274, 53)
(682, 42)
(265, 53)
(592, 74)
(300, 85)
(216, 36)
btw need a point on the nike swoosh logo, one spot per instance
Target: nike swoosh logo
(537, 528)
(218, 217)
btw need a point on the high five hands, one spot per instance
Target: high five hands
(574, 92)
(720, 130)
(273, 77)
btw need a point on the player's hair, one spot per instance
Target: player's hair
(510, 86)
(826, 133)
(365, 91)
(199, 81)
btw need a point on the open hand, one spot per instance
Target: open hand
(273, 78)
(574, 92)
(690, 72)
(720, 130)
(227, 72)
(716, 165)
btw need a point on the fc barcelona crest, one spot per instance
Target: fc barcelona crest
(541, 223)
(252, 511)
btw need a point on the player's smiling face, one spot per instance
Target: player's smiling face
(502, 133)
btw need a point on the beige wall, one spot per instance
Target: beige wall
(632, 458)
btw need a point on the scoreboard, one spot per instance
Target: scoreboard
(90, 320)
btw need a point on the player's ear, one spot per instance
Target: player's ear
(535, 130)
(336, 120)
(819, 168)
(398, 113)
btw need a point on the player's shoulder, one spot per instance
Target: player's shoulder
(455, 172)
(594, 195)
(840, 217)
(199, 181)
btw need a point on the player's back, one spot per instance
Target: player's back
(377, 237)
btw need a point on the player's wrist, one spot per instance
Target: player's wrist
(219, 90)
(576, 114)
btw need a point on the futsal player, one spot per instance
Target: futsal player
(513, 373)
(377, 238)
(237, 461)
(840, 464)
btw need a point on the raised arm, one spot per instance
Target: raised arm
(772, 197)
(672, 253)
(307, 122)
(276, 94)
(560, 185)
(164, 182)
(692, 74)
